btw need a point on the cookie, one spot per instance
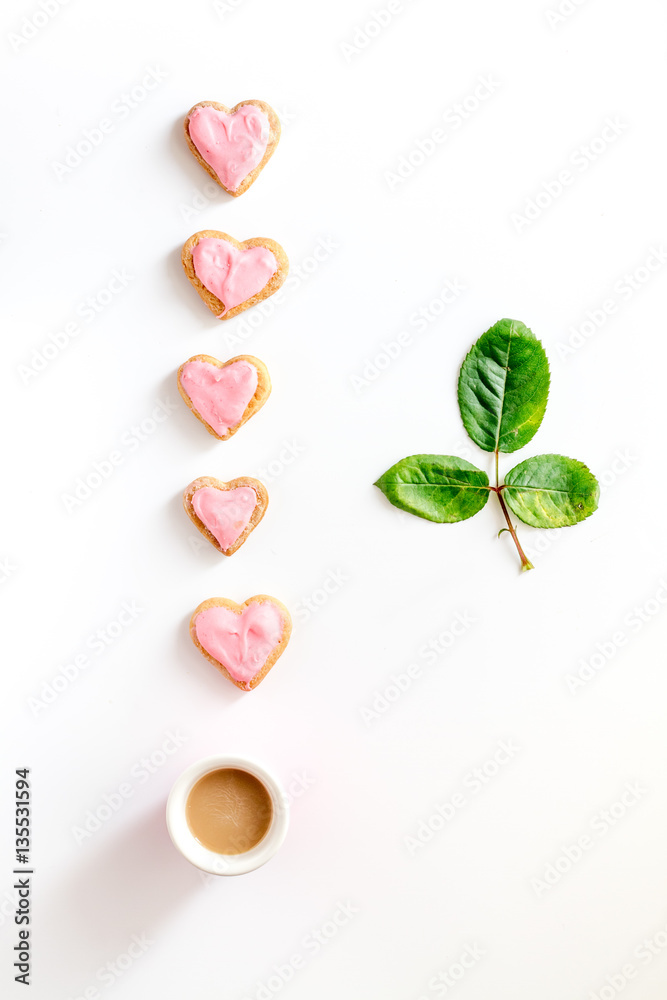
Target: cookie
(242, 640)
(226, 513)
(234, 144)
(224, 394)
(232, 276)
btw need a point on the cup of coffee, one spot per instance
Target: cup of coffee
(227, 815)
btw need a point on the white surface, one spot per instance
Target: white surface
(369, 785)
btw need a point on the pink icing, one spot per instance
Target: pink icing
(220, 395)
(233, 144)
(226, 513)
(232, 275)
(241, 642)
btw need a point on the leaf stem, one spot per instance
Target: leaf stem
(525, 561)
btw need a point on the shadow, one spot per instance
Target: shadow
(180, 284)
(196, 436)
(123, 886)
(217, 685)
(180, 525)
(179, 151)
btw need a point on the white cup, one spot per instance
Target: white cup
(211, 861)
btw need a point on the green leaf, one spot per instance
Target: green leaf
(551, 491)
(440, 488)
(503, 387)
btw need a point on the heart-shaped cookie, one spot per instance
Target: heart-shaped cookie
(232, 144)
(223, 395)
(232, 276)
(242, 640)
(226, 513)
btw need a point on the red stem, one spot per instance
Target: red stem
(525, 561)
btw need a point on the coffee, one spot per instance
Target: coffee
(229, 810)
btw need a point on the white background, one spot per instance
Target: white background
(352, 105)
